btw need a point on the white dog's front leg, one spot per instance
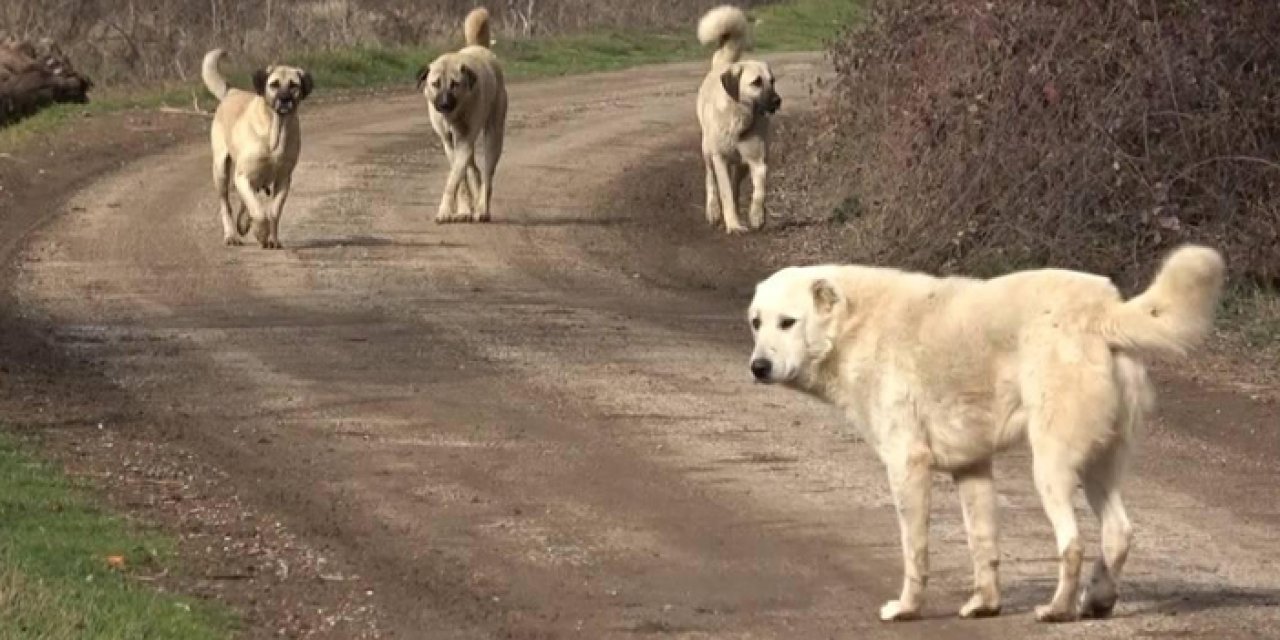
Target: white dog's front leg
(910, 480)
(463, 156)
(978, 504)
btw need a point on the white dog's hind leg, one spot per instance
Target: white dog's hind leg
(1055, 479)
(978, 504)
(1101, 486)
(713, 197)
(724, 183)
(910, 478)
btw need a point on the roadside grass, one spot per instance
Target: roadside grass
(796, 25)
(56, 581)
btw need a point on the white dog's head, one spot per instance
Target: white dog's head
(750, 82)
(794, 317)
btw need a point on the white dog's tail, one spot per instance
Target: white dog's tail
(212, 76)
(476, 28)
(1176, 312)
(727, 27)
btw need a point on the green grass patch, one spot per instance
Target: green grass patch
(798, 25)
(55, 579)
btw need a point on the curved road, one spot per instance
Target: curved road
(513, 436)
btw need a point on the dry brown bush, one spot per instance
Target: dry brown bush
(1093, 134)
(139, 41)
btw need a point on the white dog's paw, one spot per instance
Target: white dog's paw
(480, 217)
(735, 229)
(445, 217)
(231, 241)
(893, 611)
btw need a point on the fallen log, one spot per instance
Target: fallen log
(34, 76)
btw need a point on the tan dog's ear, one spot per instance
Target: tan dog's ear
(307, 84)
(469, 76)
(260, 80)
(825, 296)
(730, 80)
(423, 74)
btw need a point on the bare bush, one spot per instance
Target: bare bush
(139, 41)
(1089, 134)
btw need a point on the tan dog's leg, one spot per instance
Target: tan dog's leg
(249, 199)
(468, 190)
(279, 194)
(910, 478)
(1101, 486)
(1055, 481)
(978, 504)
(713, 197)
(222, 186)
(493, 139)
(756, 216)
(463, 157)
(724, 183)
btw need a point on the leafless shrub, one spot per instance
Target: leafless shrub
(140, 41)
(1090, 134)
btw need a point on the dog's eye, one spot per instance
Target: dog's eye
(275, 84)
(786, 323)
(757, 82)
(755, 323)
(436, 83)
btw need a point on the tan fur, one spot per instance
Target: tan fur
(734, 103)
(467, 98)
(940, 374)
(256, 142)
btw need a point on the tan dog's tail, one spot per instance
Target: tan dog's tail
(1176, 312)
(476, 28)
(212, 76)
(727, 27)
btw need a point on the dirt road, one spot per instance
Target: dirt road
(544, 427)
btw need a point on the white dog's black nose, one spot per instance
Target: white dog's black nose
(760, 368)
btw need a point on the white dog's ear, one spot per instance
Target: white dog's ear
(825, 296)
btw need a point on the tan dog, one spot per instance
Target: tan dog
(734, 105)
(942, 373)
(256, 142)
(468, 98)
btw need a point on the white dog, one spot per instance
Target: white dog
(468, 98)
(734, 104)
(942, 373)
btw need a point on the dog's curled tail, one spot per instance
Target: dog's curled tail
(212, 75)
(1176, 312)
(476, 28)
(727, 27)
